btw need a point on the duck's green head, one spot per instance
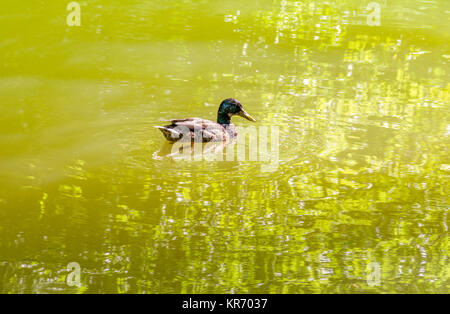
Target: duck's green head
(230, 107)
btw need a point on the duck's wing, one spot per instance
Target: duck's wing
(207, 129)
(190, 122)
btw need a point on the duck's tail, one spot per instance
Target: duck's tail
(170, 134)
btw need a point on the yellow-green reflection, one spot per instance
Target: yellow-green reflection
(364, 137)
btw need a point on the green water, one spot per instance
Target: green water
(364, 133)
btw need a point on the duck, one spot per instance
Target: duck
(201, 130)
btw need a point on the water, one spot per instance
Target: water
(359, 201)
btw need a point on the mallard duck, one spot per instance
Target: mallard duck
(201, 130)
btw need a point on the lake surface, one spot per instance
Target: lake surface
(358, 203)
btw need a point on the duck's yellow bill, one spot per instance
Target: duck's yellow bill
(246, 116)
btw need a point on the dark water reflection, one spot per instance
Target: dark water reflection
(364, 134)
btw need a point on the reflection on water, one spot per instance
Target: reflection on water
(363, 126)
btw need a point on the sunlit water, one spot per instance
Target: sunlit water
(362, 183)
